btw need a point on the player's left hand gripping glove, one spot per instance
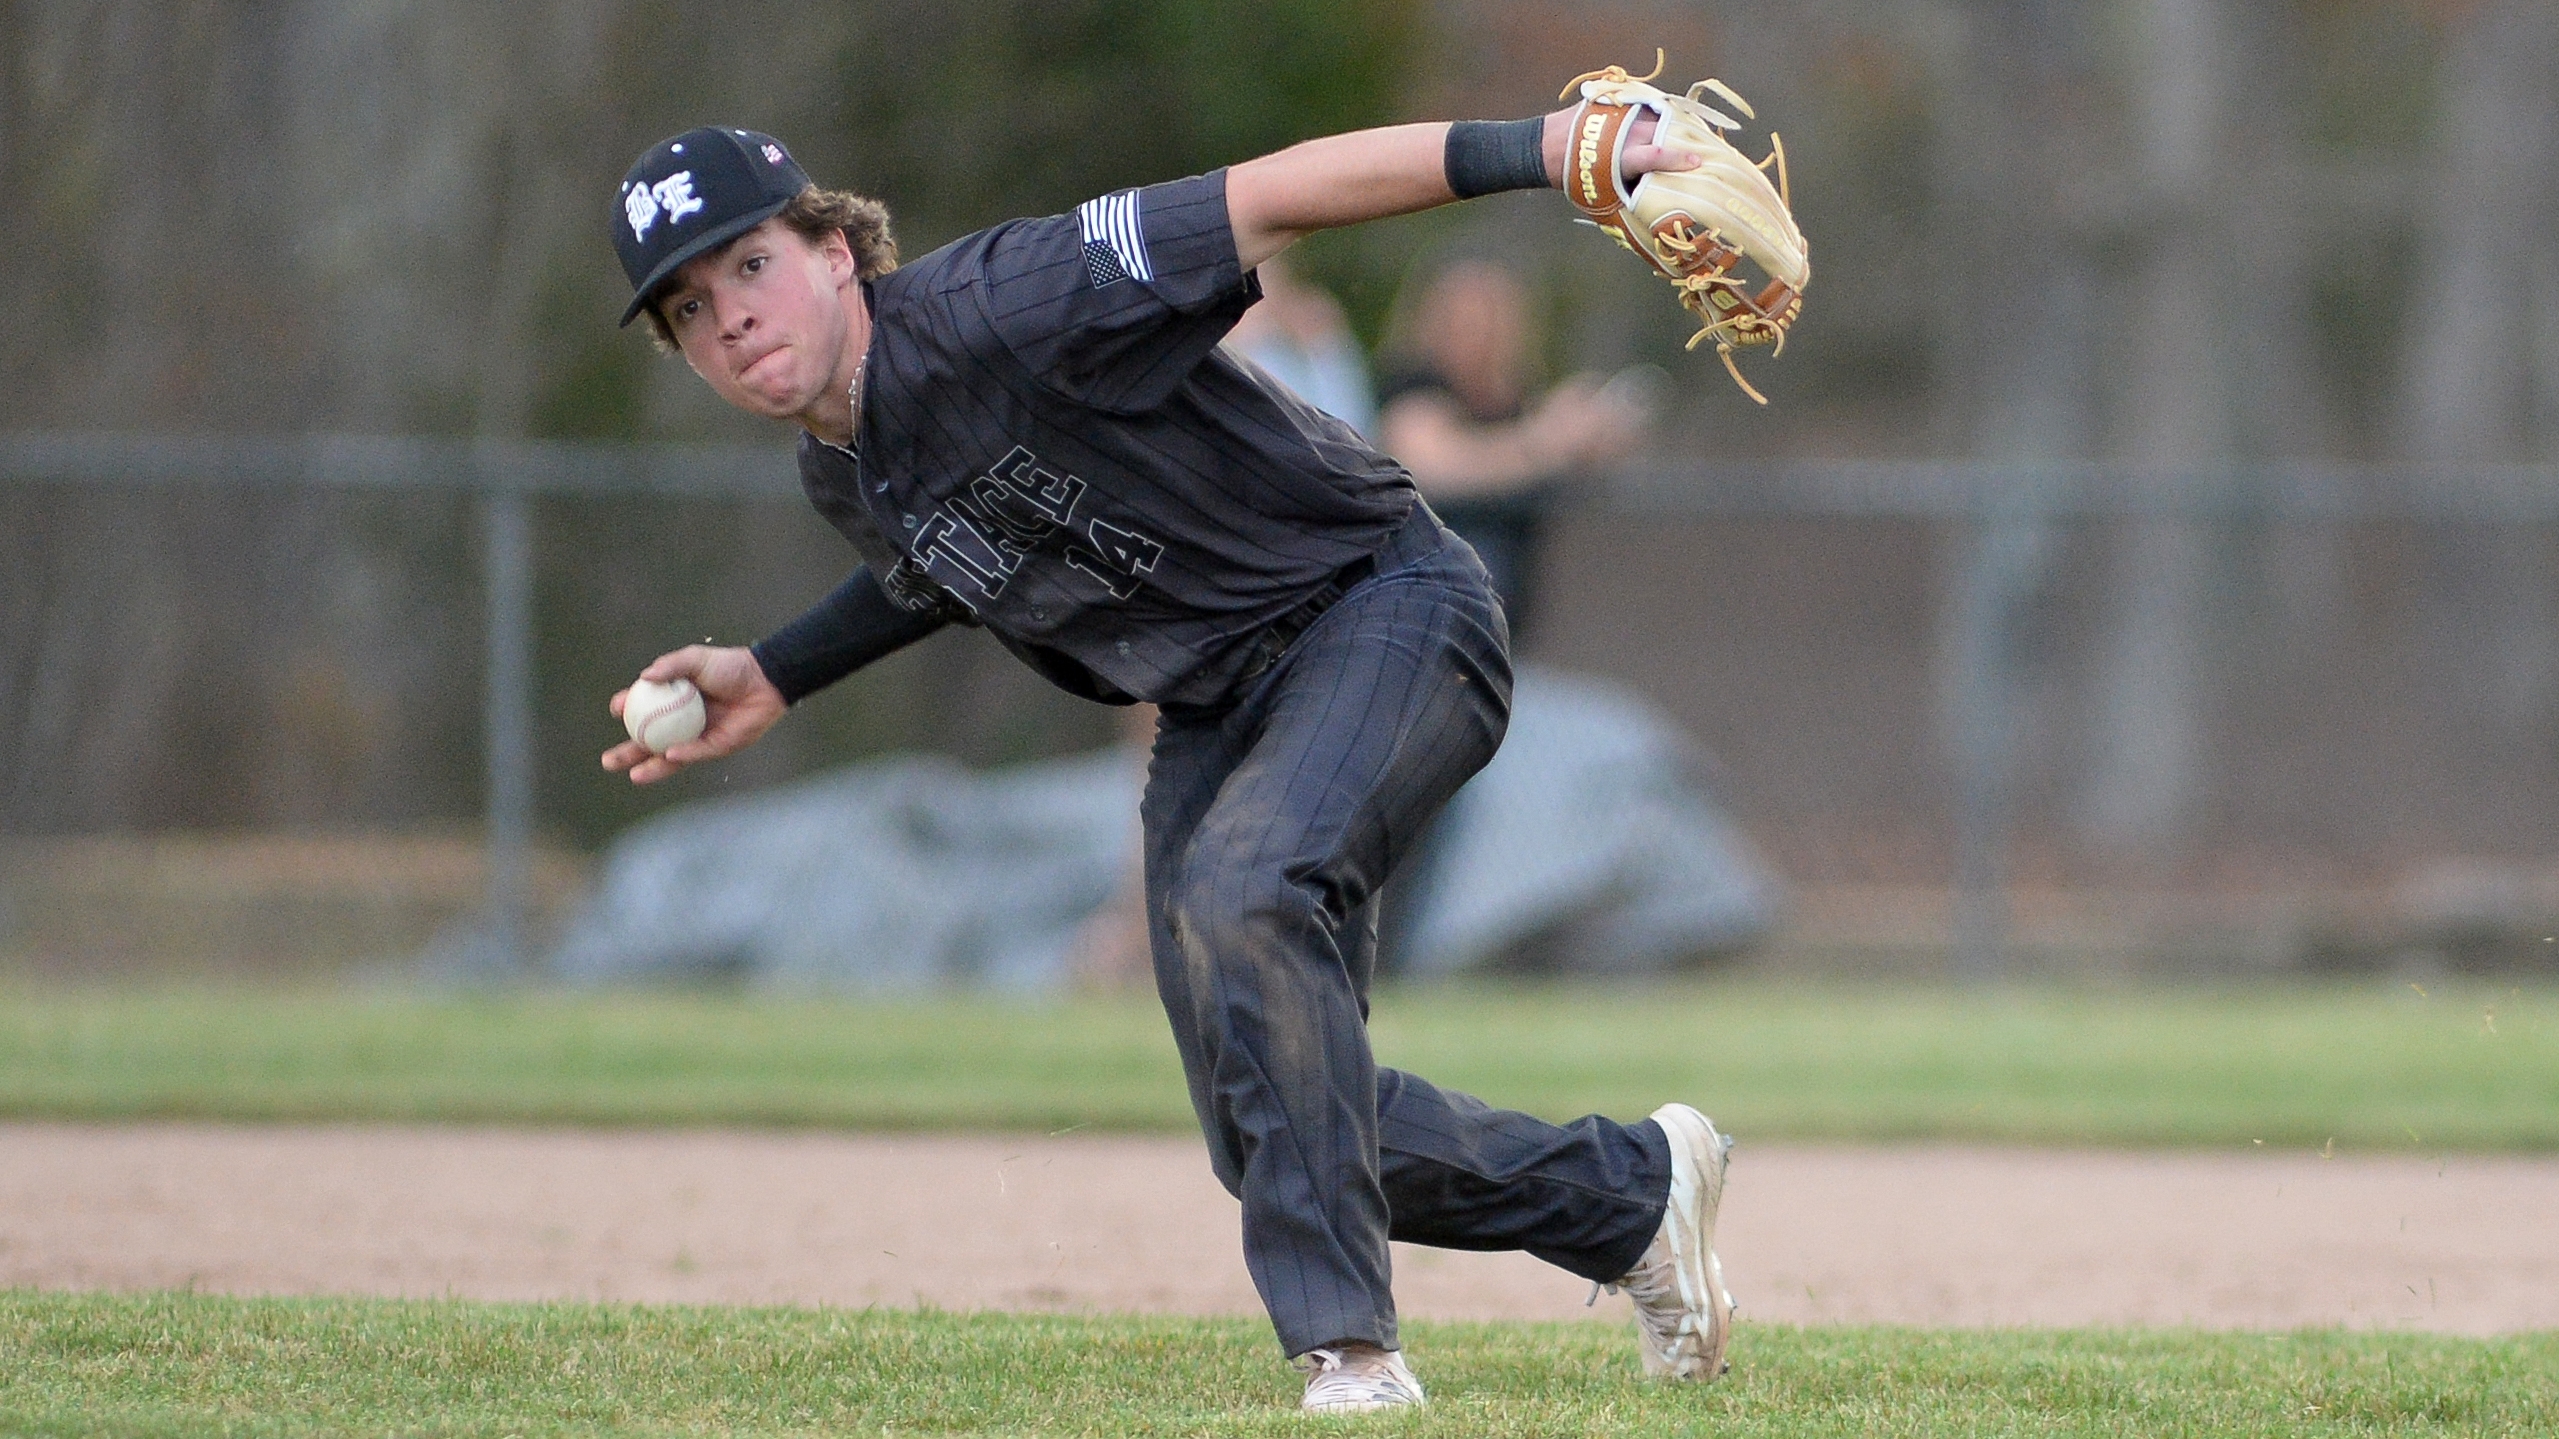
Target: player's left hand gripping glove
(1693, 226)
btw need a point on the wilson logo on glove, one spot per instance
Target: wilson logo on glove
(1694, 227)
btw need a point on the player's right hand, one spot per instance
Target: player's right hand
(738, 705)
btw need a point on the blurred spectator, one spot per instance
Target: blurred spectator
(1297, 333)
(1455, 410)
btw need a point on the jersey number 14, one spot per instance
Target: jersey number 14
(1116, 558)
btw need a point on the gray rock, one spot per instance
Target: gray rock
(1588, 845)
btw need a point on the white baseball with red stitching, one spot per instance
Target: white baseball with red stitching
(663, 716)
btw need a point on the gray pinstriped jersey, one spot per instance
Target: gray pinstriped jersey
(1051, 444)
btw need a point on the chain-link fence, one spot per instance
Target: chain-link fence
(1914, 675)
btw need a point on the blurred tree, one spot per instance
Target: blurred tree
(2017, 130)
(962, 115)
(2042, 231)
(2466, 371)
(2482, 381)
(2188, 65)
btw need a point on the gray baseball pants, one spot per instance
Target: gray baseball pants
(1271, 821)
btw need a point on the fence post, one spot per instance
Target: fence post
(2003, 561)
(507, 526)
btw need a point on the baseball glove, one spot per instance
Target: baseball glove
(1692, 226)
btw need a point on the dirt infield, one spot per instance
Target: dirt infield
(1932, 1235)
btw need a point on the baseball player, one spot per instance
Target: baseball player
(1032, 431)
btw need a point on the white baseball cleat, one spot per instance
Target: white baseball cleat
(1356, 1379)
(1683, 1313)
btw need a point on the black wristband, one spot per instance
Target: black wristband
(851, 627)
(1486, 156)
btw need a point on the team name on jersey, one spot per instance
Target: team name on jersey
(975, 542)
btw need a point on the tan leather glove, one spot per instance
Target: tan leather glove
(1692, 226)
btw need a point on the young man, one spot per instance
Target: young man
(1032, 430)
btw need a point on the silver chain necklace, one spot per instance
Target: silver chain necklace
(853, 399)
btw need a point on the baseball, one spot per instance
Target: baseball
(662, 716)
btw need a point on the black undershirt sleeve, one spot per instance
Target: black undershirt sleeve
(855, 624)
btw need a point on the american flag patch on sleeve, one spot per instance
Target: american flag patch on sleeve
(1114, 241)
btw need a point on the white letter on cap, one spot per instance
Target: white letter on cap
(641, 209)
(676, 193)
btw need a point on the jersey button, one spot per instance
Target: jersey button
(1122, 647)
(910, 521)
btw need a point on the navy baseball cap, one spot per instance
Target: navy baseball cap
(692, 194)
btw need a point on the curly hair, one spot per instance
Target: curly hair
(816, 214)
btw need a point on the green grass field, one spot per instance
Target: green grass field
(171, 1365)
(2373, 1066)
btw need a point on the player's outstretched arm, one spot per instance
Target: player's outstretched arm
(1279, 199)
(739, 704)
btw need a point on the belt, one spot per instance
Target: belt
(1280, 633)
